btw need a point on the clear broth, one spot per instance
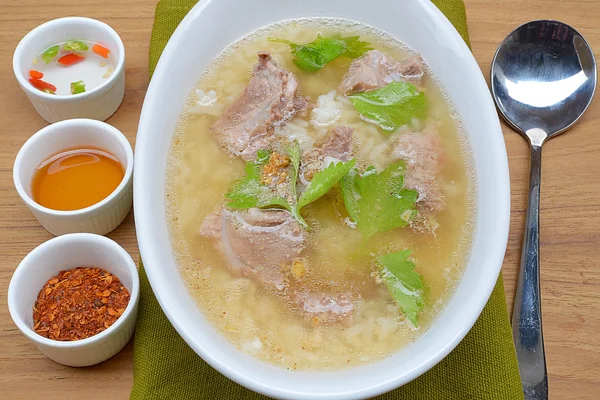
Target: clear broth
(258, 322)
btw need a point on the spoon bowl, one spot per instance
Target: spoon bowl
(543, 79)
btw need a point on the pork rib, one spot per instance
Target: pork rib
(271, 98)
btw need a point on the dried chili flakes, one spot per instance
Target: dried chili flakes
(79, 303)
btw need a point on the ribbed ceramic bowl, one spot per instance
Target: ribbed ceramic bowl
(99, 103)
(100, 218)
(205, 32)
(68, 252)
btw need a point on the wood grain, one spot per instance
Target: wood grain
(570, 210)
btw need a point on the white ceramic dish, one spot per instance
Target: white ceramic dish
(100, 218)
(208, 29)
(99, 103)
(68, 252)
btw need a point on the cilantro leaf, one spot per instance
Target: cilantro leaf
(294, 153)
(313, 56)
(355, 47)
(378, 202)
(391, 106)
(402, 268)
(323, 181)
(404, 284)
(249, 192)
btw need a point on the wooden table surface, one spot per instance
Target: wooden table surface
(570, 210)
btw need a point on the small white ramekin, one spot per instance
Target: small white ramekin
(99, 103)
(100, 218)
(64, 253)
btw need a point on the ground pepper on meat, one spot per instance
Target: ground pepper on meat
(275, 171)
(79, 303)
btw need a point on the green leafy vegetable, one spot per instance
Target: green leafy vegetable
(75, 45)
(249, 192)
(404, 284)
(323, 181)
(50, 53)
(391, 106)
(294, 153)
(355, 47)
(402, 268)
(77, 87)
(262, 156)
(378, 202)
(313, 56)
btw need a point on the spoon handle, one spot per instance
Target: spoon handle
(527, 313)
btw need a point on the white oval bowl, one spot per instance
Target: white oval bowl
(204, 33)
(64, 253)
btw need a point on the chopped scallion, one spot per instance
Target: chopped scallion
(77, 87)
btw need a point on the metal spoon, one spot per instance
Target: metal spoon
(543, 79)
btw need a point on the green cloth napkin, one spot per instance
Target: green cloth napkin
(483, 366)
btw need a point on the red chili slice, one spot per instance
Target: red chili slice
(70, 59)
(36, 74)
(100, 50)
(41, 85)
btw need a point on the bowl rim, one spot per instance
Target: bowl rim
(56, 129)
(484, 290)
(20, 273)
(94, 93)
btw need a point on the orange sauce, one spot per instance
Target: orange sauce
(76, 179)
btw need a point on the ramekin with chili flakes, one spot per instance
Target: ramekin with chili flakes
(76, 297)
